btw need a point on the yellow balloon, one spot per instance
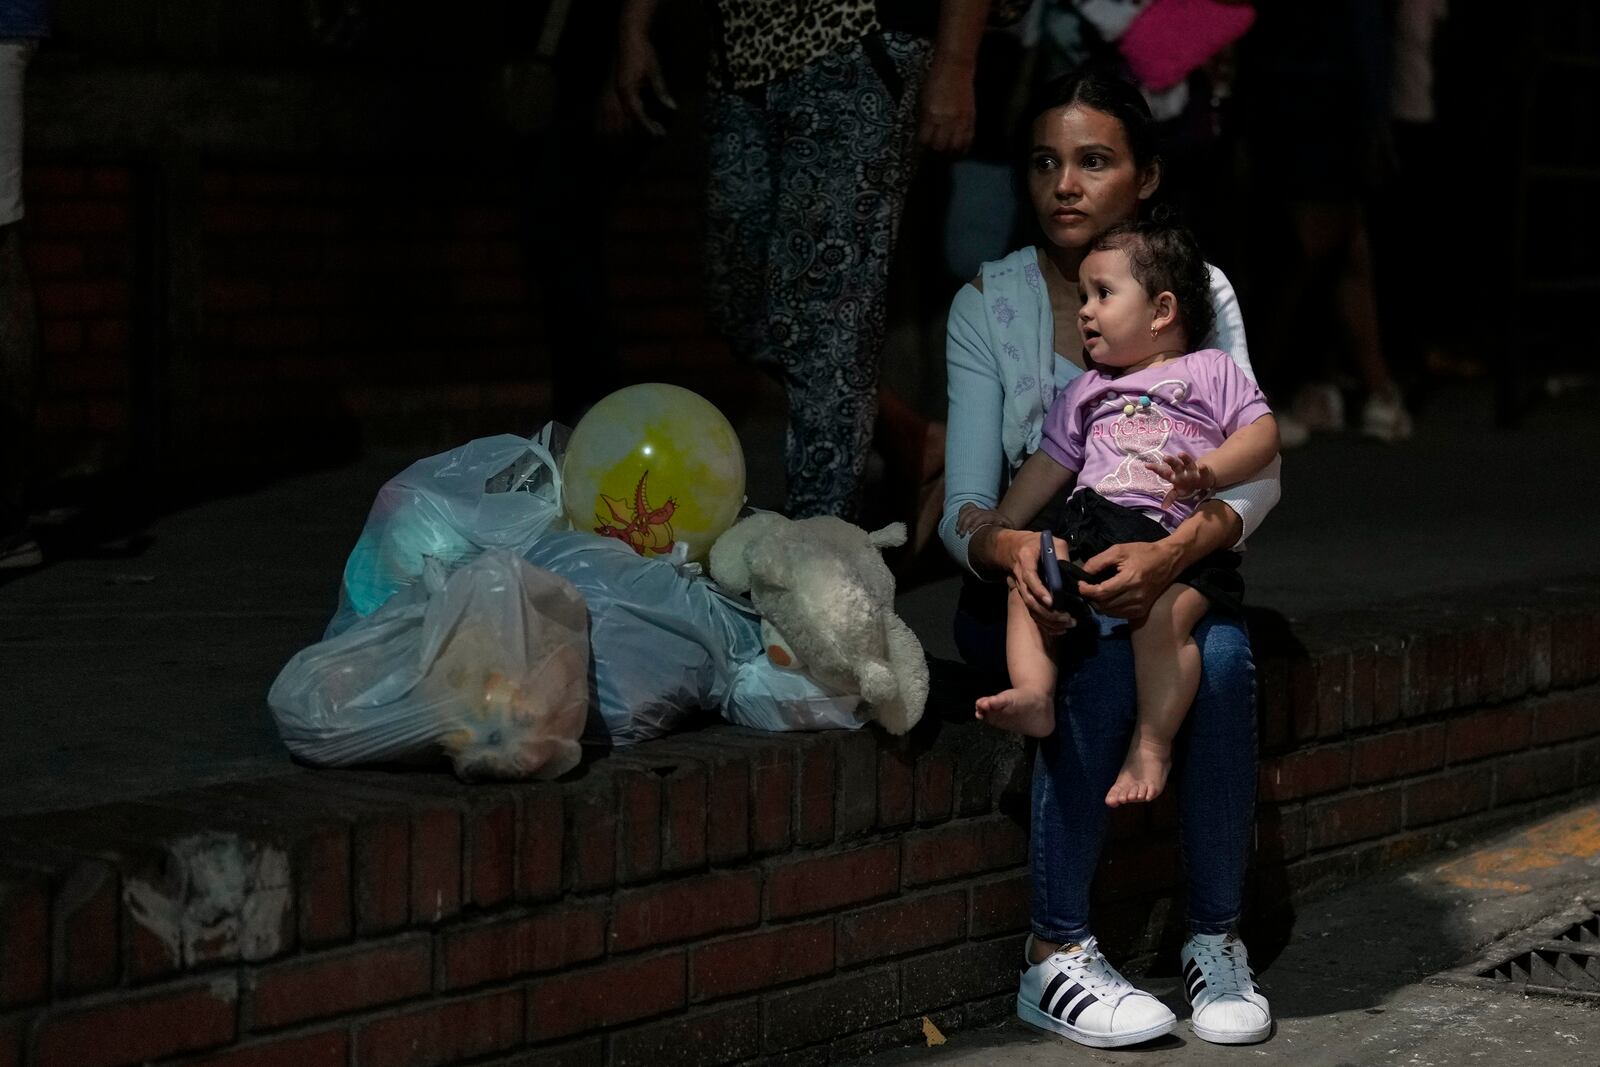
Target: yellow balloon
(654, 466)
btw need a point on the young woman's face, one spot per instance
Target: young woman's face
(1082, 176)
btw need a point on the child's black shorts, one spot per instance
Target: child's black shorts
(1091, 524)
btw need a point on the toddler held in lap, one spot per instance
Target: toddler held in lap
(1147, 433)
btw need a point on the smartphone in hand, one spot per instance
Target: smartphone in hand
(1061, 577)
(1049, 565)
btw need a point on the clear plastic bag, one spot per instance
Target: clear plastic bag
(495, 492)
(667, 642)
(765, 697)
(487, 663)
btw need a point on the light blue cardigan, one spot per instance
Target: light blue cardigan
(1003, 373)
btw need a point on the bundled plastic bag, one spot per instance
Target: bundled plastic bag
(764, 697)
(667, 642)
(495, 492)
(488, 663)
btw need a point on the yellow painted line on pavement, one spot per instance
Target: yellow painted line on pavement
(1573, 836)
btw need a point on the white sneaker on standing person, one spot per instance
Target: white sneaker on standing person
(1385, 418)
(1320, 407)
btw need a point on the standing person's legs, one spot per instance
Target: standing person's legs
(846, 160)
(18, 327)
(741, 205)
(1333, 234)
(1384, 415)
(1319, 234)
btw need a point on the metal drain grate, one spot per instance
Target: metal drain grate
(1586, 932)
(1561, 958)
(1550, 969)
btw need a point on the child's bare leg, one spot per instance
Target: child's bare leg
(1166, 670)
(1029, 706)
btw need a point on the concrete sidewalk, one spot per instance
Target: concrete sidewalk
(126, 676)
(1364, 977)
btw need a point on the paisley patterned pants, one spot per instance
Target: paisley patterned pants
(808, 176)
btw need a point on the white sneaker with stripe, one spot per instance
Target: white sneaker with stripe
(1217, 981)
(1078, 994)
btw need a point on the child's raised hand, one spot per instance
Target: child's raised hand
(1189, 476)
(972, 517)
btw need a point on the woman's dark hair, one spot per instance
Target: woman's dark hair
(1104, 91)
(1165, 257)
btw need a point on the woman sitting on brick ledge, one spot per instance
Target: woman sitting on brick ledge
(1092, 165)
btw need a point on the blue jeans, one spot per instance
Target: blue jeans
(1214, 758)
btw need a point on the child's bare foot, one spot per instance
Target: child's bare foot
(1144, 774)
(1028, 712)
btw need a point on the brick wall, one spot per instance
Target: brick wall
(377, 291)
(1403, 730)
(80, 254)
(378, 301)
(728, 896)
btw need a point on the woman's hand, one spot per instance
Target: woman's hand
(949, 111)
(1144, 570)
(637, 70)
(1189, 477)
(1017, 553)
(972, 516)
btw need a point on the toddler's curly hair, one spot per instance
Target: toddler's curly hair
(1165, 257)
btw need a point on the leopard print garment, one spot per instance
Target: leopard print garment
(762, 40)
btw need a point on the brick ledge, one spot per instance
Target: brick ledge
(728, 896)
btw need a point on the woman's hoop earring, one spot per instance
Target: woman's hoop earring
(1153, 331)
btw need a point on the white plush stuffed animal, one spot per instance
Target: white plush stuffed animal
(827, 603)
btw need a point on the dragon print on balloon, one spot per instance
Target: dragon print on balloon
(646, 529)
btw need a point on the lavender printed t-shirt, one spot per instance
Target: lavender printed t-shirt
(1105, 428)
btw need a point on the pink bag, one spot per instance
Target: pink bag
(1171, 38)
